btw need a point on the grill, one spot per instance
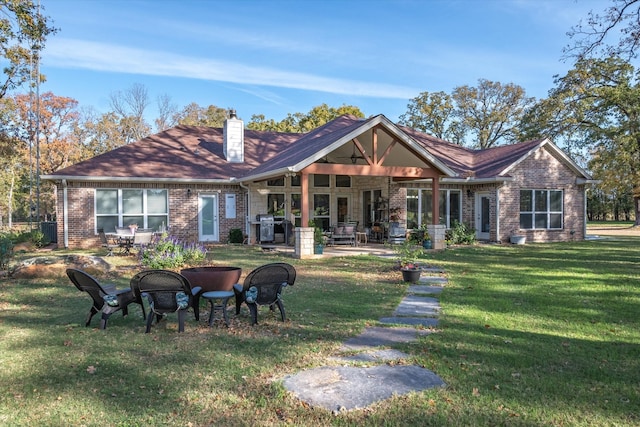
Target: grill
(264, 230)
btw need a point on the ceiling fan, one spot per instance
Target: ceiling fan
(354, 157)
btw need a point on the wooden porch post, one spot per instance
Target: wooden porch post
(304, 209)
(435, 201)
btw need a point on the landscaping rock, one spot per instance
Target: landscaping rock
(346, 388)
(55, 266)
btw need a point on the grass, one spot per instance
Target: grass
(539, 334)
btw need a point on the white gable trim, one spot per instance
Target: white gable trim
(553, 148)
(368, 125)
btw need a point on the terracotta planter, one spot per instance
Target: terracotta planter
(411, 275)
(213, 278)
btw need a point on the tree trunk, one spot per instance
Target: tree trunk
(636, 203)
(10, 200)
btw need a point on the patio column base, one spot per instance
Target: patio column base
(304, 243)
(437, 235)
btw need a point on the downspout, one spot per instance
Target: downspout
(247, 221)
(498, 215)
(584, 214)
(65, 216)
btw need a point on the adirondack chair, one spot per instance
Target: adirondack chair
(166, 292)
(106, 299)
(263, 286)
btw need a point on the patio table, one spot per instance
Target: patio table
(123, 240)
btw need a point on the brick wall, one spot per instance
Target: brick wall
(542, 171)
(183, 210)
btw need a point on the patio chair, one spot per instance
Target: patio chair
(263, 286)
(124, 231)
(166, 292)
(397, 234)
(105, 243)
(105, 298)
(141, 239)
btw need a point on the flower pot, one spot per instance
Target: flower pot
(426, 244)
(411, 275)
(213, 278)
(518, 239)
(318, 249)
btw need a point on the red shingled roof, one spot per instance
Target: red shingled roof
(196, 153)
(182, 152)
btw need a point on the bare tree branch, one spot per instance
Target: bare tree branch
(622, 20)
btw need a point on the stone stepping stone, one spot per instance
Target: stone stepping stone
(381, 336)
(411, 321)
(424, 289)
(415, 305)
(345, 388)
(434, 280)
(375, 356)
(433, 270)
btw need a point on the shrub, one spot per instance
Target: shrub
(460, 234)
(408, 253)
(6, 251)
(236, 236)
(38, 238)
(170, 253)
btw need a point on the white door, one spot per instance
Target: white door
(483, 217)
(208, 218)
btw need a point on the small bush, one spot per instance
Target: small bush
(170, 253)
(6, 251)
(236, 236)
(460, 234)
(38, 238)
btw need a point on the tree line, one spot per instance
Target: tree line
(592, 112)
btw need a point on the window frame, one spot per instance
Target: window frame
(421, 197)
(540, 210)
(319, 180)
(121, 216)
(325, 219)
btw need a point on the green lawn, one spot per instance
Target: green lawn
(532, 335)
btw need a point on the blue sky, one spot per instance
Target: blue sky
(279, 57)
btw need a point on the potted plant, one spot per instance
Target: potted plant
(408, 255)
(318, 238)
(422, 237)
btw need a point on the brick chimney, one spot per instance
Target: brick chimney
(233, 133)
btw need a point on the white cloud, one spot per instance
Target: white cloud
(72, 53)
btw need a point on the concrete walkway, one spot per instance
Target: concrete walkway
(347, 385)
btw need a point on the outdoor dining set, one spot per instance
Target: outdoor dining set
(125, 239)
(164, 292)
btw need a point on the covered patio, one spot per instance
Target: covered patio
(357, 175)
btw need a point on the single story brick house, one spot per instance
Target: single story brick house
(199, 183)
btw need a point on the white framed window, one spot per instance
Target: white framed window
(276, 205)
(321, 181)
(419, 207)
(296, 208)
(321, 210)
(343, 181)
(148, 208)
(276, 182)
(541, 209)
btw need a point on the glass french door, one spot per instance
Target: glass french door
(483, 216)
(344, 213)
(208, 225)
